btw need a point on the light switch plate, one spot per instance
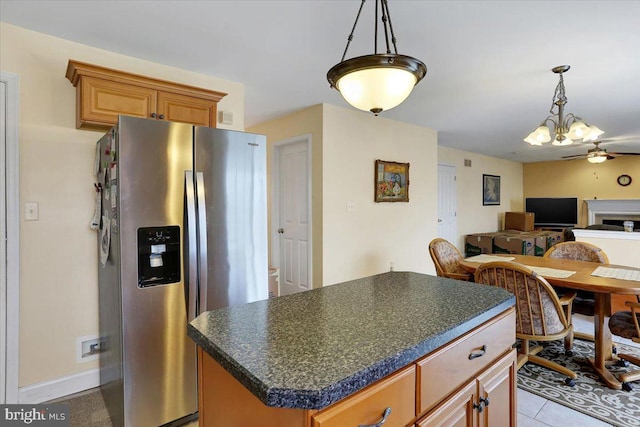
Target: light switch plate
(31, 211)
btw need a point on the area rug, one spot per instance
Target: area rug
(589, 396)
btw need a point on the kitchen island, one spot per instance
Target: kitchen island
(400, 346)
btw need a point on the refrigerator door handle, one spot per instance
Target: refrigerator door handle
(202, 243)
(191, 247)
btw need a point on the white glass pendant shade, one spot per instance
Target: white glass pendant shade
(531, 140)
(562, 141)
(376, 89)
(597, 157)
(578, 130)
(594, 133)
(540, 136)
(376, 82)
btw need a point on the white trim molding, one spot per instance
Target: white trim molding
(606, 234)
(598, 207)
(60, 387)
(11, 344)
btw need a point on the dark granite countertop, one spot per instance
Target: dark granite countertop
(311, 349)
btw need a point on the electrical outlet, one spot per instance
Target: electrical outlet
(351, 206)
(89, 347)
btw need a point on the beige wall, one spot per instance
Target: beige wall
(365, 241)
(346, 143)
(58, 277)
(581, 179)
(307, 121)
(473, 217)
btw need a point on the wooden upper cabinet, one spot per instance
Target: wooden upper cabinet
(102, 94)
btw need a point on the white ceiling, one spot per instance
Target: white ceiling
(488, 82)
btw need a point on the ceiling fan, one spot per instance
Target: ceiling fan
(599, 155)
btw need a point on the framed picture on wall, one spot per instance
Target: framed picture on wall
(490, 190)
(391, 181)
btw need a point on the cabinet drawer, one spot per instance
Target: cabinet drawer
(444, 370)
(397, 391)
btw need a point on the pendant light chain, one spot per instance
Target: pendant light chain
(352, 30)
(559, 95)
(387, 16)
(379, 81)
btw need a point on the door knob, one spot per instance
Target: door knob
(280, 230)
(439, 220)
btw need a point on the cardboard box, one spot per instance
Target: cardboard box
(479, 243)
(540, 242)
(553, 237)
(514, 244)
(522, 221)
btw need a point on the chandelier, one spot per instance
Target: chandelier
(566, 128)
(379, 81)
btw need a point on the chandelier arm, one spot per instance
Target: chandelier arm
(384, 10)
(385, 5)
(352, 31)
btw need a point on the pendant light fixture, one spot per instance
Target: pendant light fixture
(380, 81)
(566, 129)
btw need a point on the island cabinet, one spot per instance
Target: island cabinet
(102, 94)
(470, 381)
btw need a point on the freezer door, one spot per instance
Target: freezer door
(233, 167)
(159, 358)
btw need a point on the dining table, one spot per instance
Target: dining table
(578, 275)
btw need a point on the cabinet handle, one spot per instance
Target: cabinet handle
(484, 402)
(385, 414)
(477, 354)
(153, 115)
(161, 116)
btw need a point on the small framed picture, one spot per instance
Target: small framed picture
(391, 181)
(490, 190)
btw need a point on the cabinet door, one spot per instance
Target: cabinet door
(101, 101)
(457, 411)
(185, 109)
(497, 385)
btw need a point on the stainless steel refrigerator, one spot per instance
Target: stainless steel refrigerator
(182, 228)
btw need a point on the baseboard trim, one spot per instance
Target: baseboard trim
(60, 387)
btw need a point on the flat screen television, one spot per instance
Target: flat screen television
(553, 211)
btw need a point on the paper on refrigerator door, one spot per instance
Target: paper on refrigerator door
(105, 239)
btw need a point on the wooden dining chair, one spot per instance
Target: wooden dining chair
(539, 314)
(626, 324)
(584, 302)
(446, 259)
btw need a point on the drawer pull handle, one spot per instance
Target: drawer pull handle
(385, 414)
(477, 354)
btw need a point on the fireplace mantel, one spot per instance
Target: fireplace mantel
(599, 207)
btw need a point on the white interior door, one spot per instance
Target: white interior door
(447, 204)
(9, 247)
(293, 231)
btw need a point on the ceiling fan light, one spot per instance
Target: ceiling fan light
(597, 157)
(562, 139)
(579, 130)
